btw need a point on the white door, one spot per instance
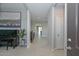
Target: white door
(59, 41)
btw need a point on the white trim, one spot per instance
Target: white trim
(28, 46)
(28, 28)
(65, 30)
(53, 25)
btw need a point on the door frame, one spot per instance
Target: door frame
(65, 30)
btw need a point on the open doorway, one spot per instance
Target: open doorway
(39, 31)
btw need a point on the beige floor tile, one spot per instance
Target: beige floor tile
(38, 48)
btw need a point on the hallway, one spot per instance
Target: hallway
(40, 20)
(36, 49)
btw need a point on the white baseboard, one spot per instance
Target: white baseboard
(28, 45)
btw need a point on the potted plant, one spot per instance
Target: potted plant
(21, 35)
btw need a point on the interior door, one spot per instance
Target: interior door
(59, 41)
(72, 29)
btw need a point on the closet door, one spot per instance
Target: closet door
(59, 18)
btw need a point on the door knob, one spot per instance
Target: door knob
(69, 39)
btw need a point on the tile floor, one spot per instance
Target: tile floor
(38, 48)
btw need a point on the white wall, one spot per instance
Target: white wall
(28, 28)
(16, 7)
(45, 30)
(51, 28)
(59, 28)
(10, 15)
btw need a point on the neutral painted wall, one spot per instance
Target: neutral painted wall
(16, 7)
(51, 28)
(59, 20)
(10, 15)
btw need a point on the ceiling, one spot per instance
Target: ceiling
(59, 5)
(39, 10)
